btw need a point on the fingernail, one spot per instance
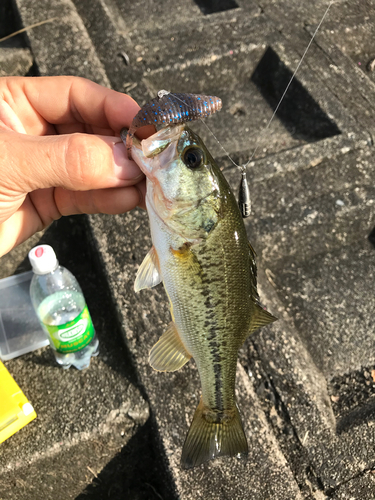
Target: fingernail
(125, 169)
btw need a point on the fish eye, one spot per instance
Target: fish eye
(193, 157)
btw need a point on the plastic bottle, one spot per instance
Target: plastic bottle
(62, 311)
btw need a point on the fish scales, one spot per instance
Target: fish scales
(201, 254)
(214, 313)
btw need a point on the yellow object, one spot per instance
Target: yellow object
(15, 409)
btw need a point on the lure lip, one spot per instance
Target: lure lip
(172, 108)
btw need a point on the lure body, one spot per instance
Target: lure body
(168, 108)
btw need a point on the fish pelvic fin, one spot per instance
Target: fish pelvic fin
(148, 274)
(261, 317)
(213, 435)
(169, 353)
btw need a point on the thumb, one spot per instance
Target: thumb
(77, 162)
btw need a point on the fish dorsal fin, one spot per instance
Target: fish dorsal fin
(148, 275)
(169, 353)
(261, 317)
(253, 272)
(252, 251)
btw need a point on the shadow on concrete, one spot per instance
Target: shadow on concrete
(138, 472)
(212, 6)
(359, 416)
(354, 401)
(300, 114)
(371, 237)
(10, 23)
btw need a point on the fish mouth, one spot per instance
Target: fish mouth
(137, 153)
(153, 153)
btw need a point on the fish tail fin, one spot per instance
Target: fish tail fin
(212, 436)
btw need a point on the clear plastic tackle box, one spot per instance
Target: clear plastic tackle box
(20, 331)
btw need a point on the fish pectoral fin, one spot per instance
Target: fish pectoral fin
(261, 317)
(148, 275)
(209, 438)
(169, 353)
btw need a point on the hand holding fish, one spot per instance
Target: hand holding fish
(61, 154)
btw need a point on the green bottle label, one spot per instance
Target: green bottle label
(74, 335)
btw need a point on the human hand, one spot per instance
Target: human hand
(61, 153)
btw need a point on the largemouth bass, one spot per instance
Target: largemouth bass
(201, 254)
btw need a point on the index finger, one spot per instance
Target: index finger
(41, 101)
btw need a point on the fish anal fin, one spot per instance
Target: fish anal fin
(209, 437)
(148, 274)
(261, 317)
(169, 353)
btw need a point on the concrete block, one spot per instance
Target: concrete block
(63, 46)
(15, 62)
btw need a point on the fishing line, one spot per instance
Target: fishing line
(289, 83)
(244, 193)
(162, 93)
(244, 199)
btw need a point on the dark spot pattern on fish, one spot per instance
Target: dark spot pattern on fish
(218, 387)
(212, 328)
(217, 358)
(209, 225)
(208, 302)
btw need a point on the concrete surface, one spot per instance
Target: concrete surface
(84, 418)
(306, 384)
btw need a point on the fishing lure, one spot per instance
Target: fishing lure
(168, 109)
(175, 108)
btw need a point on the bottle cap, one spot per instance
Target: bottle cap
(43, 259)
